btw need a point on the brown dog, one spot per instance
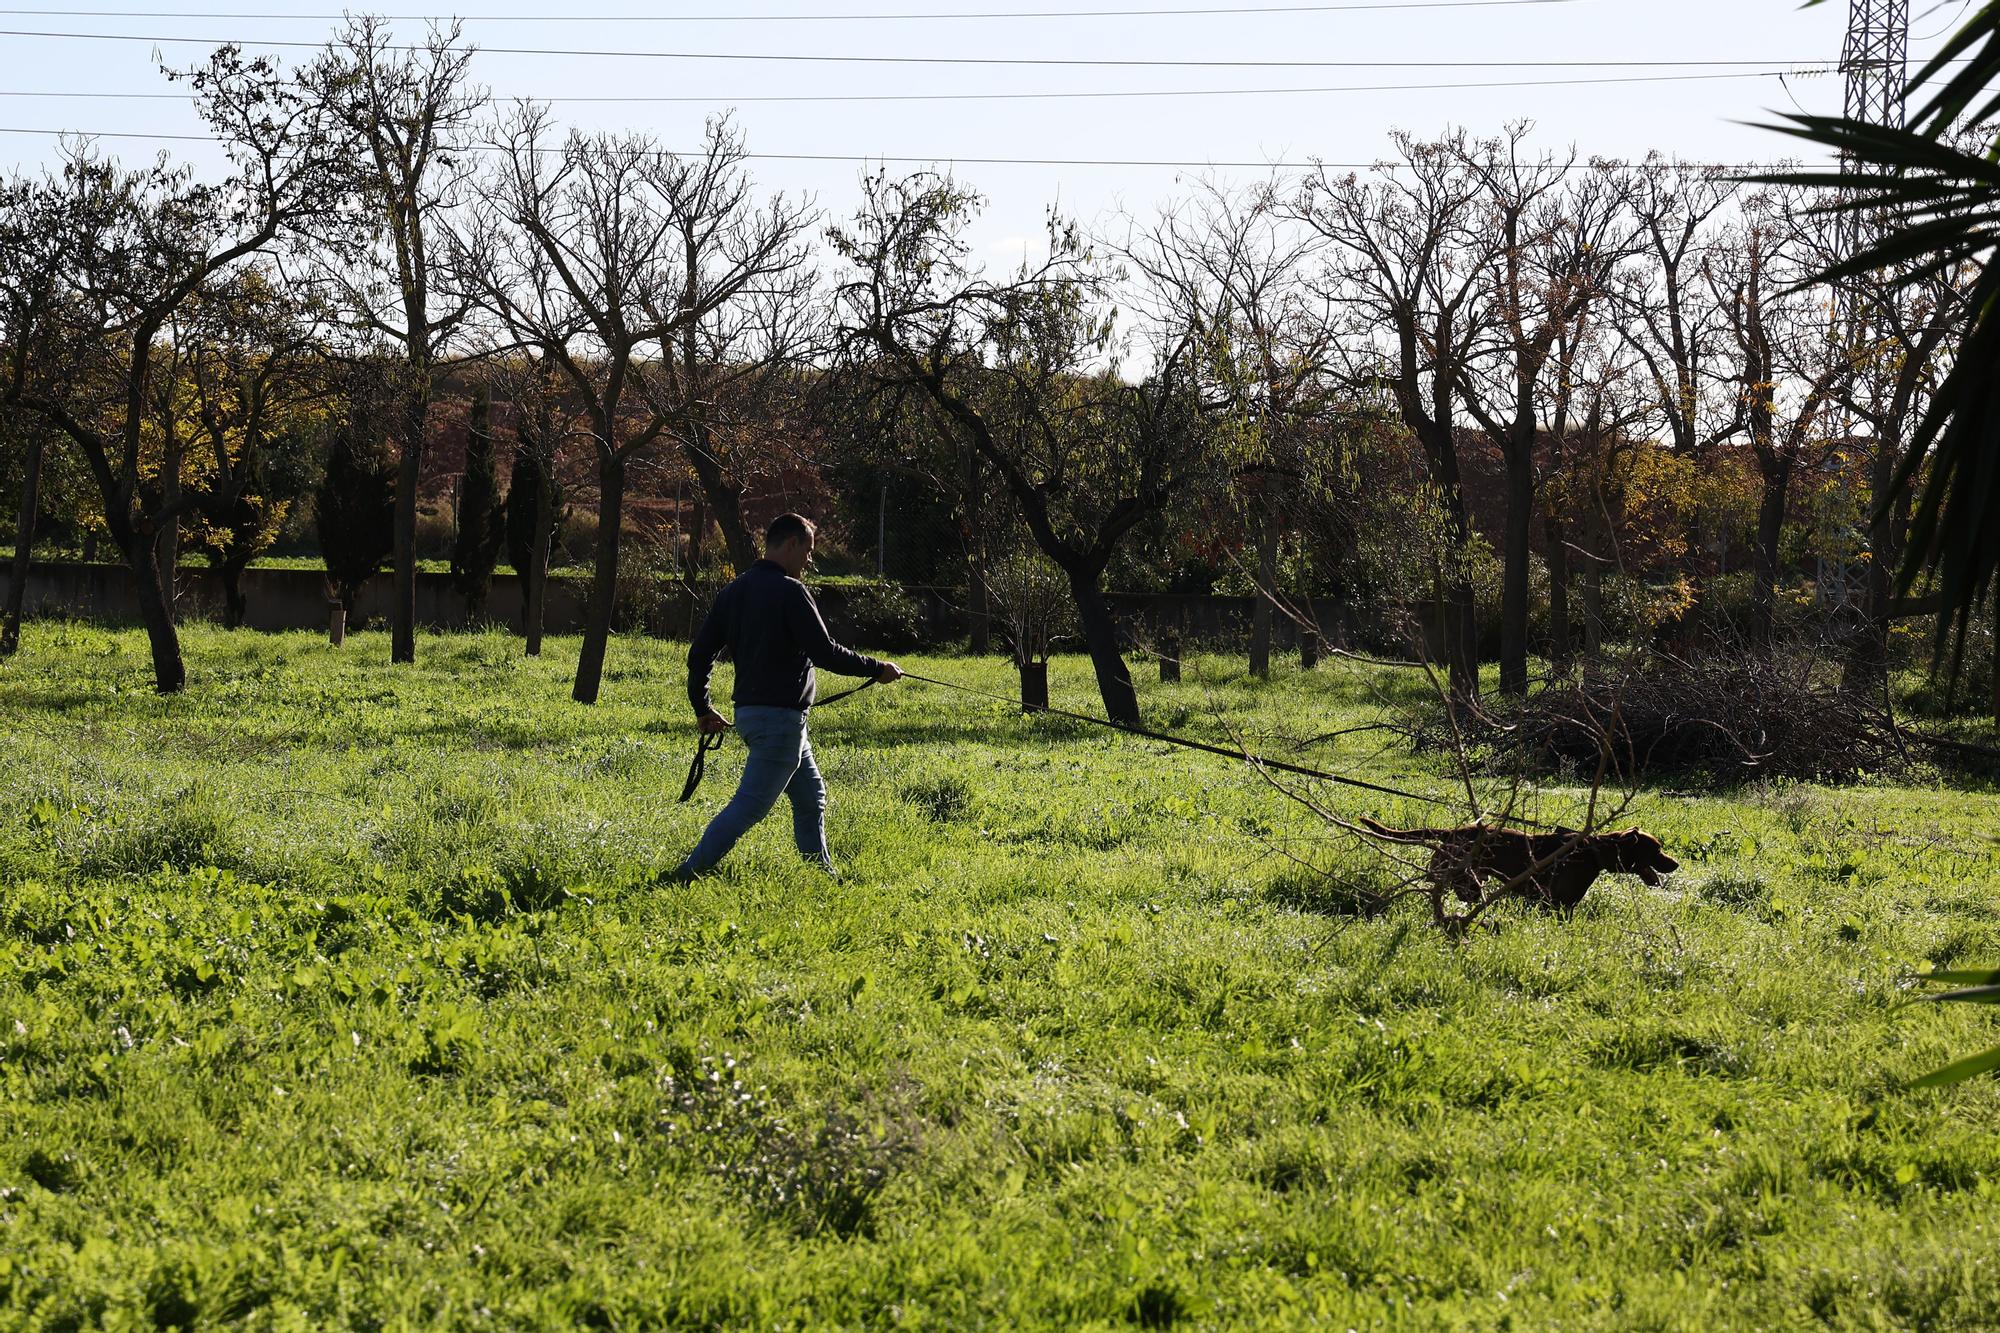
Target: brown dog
(1552, 869)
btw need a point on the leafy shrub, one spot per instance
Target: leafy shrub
(879, 615)
(646, 569)
(1037, 608)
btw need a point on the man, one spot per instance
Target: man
(768, 621)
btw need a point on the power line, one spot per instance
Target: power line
(804, 18)
(1036, 97)
(787, 58)
(950, 158)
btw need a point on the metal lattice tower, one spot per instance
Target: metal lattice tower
(1877, 65)
(1875, 60)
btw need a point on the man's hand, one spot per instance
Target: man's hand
(889, 674)
(712, 722)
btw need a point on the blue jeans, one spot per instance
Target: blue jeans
(780, 760)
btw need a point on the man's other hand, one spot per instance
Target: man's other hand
(889, 674)
(712, 722)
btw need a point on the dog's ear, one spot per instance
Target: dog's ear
(1651, 856)
(1642, 856)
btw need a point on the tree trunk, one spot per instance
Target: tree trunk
(1770, 527)
(1170, 657)
(980, 642)
(409, 472)
(1559, 629)
(726, 501)
(24, 545)
(336, 621)
(696, 532)
(1100, 636)
(980, 613)
(603, 580)
(167, 545)
(1261, 595)
(534, 611)
(1034, 686)
(1462, 638)
(1995, 689)
(234, 603)
(1514, 573)
(1868, 661)
(169, 672)
(1593, 608)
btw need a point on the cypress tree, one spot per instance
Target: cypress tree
(354, 510)
(481, 520)
(523, 494)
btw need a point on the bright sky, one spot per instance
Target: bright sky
(1692, 117)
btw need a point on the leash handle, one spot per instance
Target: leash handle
(705, 744)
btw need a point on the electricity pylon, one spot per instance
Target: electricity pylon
(1875, 60)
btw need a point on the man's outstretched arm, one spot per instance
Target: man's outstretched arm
(809, 632)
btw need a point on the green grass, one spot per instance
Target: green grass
(341, 995)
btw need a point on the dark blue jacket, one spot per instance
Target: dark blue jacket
(774, 633)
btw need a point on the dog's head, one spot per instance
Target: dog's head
(1637, 852)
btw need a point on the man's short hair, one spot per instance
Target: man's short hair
(788, 528)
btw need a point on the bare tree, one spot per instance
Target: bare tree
(95, 263)
(1228, 272)
(579, 257)
(1555, 257)
(1668, 313)
(1793, 358)
(1598, 406)
(1026, 371)
(728, 371)
(1407, 265)
(1672, 318)
(407, 115)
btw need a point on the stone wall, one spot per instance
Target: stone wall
(294, 599)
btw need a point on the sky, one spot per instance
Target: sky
(1696, 118)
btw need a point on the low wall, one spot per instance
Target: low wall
(293, 599)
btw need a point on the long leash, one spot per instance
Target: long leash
(707, 743)
(1189, 743)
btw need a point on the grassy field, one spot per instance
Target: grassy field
(343, 995)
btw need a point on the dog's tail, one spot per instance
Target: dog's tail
(1420, 836)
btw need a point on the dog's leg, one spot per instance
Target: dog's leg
(1471, 886)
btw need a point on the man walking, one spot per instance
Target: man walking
(773, 630)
